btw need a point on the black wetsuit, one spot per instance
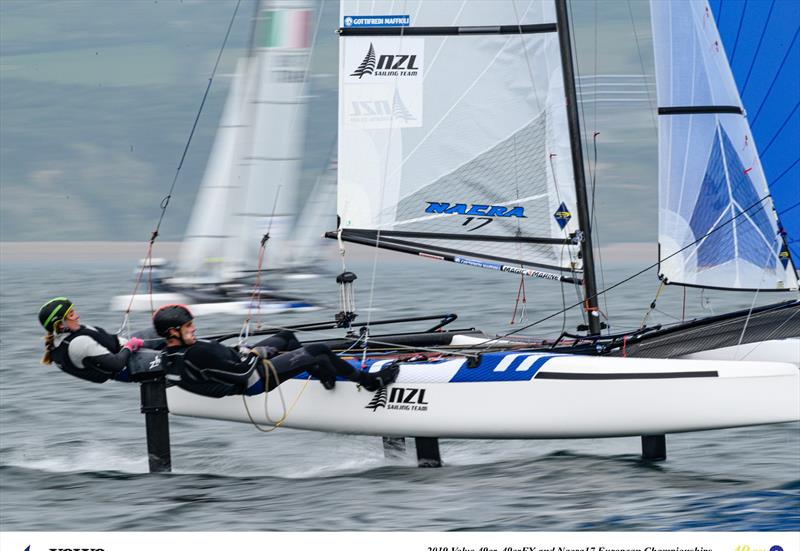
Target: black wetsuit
(92, 354)
(215, 370)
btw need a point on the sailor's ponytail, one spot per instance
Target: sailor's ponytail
(49, 346)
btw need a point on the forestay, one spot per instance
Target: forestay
(717, 226)
(453, 133)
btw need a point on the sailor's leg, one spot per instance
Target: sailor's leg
(370, 381)
(281, 341)
(290, 364)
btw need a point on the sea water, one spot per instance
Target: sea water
(73, 453)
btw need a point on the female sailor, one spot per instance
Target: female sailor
(84, 351)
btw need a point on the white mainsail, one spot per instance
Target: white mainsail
(250, 187)
(717, 226)
(457, 144)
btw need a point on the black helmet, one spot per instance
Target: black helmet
(171, 316)
(54, 311)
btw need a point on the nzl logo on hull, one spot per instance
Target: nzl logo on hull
(399, 398)
(481, 214)
(387, 65)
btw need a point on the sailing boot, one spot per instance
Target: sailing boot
(383, 378)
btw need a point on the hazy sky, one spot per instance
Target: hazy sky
(97, 98)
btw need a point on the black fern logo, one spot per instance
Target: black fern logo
(378, 401)
(368, 65)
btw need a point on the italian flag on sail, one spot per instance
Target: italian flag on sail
(286, 29)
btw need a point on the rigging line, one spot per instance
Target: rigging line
(774, 331)
(790, 167)
(165, 200)
(778, 72)
(595, 81)
(784, 211)
(738, 31)
(255, 296)
(579, 94)
(455, 352)
(527, 57)
(640, 272)
(758, 48)
(778, 132)
(653, 106)
(755, 296)
(592, 166)
(381, 206)
(597, 236)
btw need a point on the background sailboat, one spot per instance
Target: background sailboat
(475, 164)
(250, 188)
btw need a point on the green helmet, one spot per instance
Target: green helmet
(53, 311)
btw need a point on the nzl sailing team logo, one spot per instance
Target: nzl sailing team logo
(380, 110)
(388, 65)
(399, 398)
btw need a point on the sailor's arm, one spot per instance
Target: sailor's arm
(84, 351)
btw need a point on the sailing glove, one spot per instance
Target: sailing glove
(134, 344)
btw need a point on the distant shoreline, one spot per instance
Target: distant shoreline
(62, 251)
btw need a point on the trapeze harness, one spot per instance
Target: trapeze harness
(95, 356)
(211, 369)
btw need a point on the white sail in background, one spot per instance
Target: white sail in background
(317, 217)
(202, 253)
(457, 144)
(272, 160)
(250, 186)
(717, 227)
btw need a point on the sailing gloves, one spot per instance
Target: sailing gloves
(134, 344)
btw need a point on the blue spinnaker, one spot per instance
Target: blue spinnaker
(761, 38)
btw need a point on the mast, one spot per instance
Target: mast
(584, 221)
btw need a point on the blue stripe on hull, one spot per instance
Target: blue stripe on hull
(520, 369)
(493, 367)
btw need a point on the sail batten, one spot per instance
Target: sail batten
(700, 110)
(717, 225)
(447, 31)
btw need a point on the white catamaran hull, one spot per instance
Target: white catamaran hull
(528, 395)
(781, 350)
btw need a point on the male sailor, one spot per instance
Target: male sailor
(215, 370)
(87, 352)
